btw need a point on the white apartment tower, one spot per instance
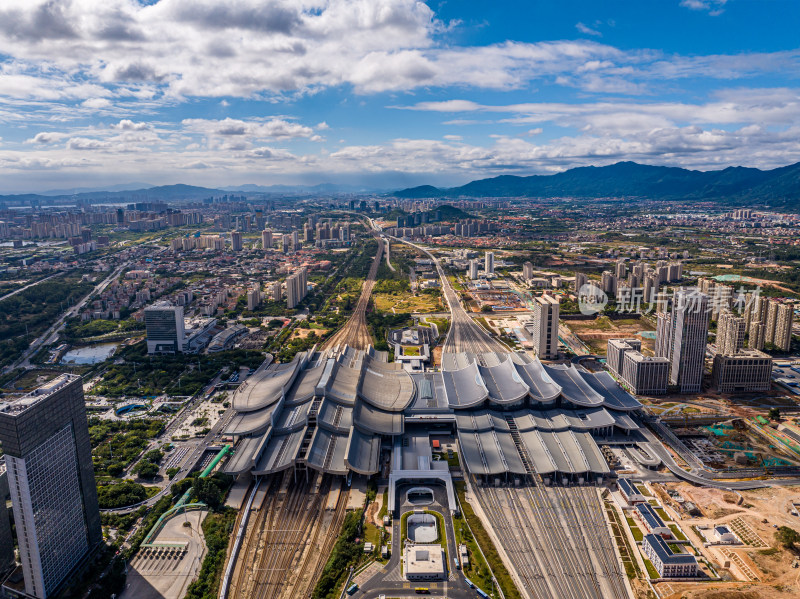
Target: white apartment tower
(489, 263)
(473, 269)
(266, 239)
(682, 336)
(730, 333)
(296, 288)
(545, 327)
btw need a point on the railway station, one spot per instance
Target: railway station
(342, 411)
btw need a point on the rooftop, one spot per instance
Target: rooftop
(665, 554)
(18, 406)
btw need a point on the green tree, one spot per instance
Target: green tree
(210, 491)
(147, 469)
(787, 537)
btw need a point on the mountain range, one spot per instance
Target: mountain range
(738, 185)
(178, 192)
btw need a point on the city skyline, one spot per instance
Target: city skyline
(388, 94)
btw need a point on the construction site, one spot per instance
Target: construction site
(741, 442)
(596, 332)
(752, 563)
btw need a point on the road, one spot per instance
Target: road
(212, 438)
(390, 582)
(51, 334)
(465, 335)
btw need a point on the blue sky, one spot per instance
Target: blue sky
(388, 93)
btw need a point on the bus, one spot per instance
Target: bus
(482, 594)
(352, 589)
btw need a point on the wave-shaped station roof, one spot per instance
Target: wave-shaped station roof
(333, 410)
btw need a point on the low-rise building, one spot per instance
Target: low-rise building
(424, 562)
(746, 371)
(667, 563)
(723, 534)
(651, 521)
(629, 491)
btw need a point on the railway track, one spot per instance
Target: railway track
(355, 332)
(315, 560)
(557, 541)
(464, 335)
(287, 546)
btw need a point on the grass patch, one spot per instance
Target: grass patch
(631, 568)
(384, 506)
(770, 551)
(410, 350)
(487, 546)
(406, 302)
(677, 532)
(651, 569)
(476, 570)
(442, 324)
(663, 514)
(374, 535)
(643, 490)
(637, 534)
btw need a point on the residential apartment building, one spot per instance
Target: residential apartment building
(544, 327)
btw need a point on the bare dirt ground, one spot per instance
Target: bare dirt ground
(772, 565)
(303, 333)
(596, 333)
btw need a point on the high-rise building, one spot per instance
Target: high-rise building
(608, 282)
(236, 241)
(642, 375)
(682, 336)
(296, 287)
(621, 269)
(489, 263)
(308, 233)
(544, 328)
(780, 317)
(730, 333)
(473, 269)
(580, 280)
(253, 298)
(295, 241)
(45, 438)
(7, 559)
(165, 328)
(266, 239)
(757, 336)
(276, 292)
(721, 300)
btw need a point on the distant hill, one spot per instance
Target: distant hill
(128, 193)
(779, 187)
